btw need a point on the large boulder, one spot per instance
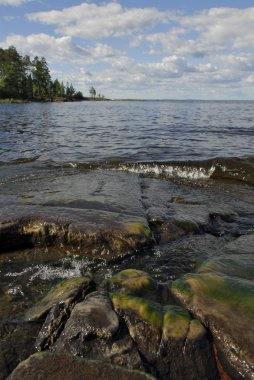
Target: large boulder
(94, 331)
(172, 344)
(96, 233)
(185, 350)
(53, 366)
(226, 306)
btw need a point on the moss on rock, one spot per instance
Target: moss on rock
(66, 291)
(176, 322)
(144, 309)
(139, 229)
(135, 282)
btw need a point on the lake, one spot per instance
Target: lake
(61, 133)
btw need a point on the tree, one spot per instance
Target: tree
(70, 91)
(12, 73)
(41, 78)
(78, 95)
(23, 78)
(92, 92)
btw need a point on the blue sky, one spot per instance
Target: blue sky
(139, 49)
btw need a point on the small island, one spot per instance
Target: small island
(26, 79)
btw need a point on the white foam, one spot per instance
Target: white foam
(48, 272)
(170, 171)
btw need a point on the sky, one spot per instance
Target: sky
(179, 49)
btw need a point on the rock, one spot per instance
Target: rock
(135, 282)
(225, 305)
(53, 366)
(172, 344)
(16, 344)
(52, 327)
(144, 320)
(234, 260)
(94, 331)
(112, 237)
(185, 350)
(131, 237)
(92, 317)
(68, 291)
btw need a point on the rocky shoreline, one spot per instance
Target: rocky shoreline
(198, 324)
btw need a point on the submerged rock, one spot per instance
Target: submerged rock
(63, 366)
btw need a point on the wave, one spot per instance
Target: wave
(220, 168)
(170, 170)
(234, 168)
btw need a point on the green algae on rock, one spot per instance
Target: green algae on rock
(138, 229)
(144, 309)
(67, 291)
(135, 282)
(176, 322)
(226, 305)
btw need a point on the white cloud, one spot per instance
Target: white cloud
(205, 33)
(62, 49)
(91, 21)
(223, 26)
(171, 66)
(250, 79)
(13, 3)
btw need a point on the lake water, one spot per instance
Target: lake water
(84, 132)
(183, 163)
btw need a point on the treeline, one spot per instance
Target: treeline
(29, 79)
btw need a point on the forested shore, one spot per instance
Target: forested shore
(23, 78)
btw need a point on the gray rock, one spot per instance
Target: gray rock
(53, 366)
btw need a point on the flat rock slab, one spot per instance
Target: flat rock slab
(62, 366)
(96, 233)
(89, 211)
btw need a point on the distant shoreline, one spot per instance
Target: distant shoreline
(89, 99)
(21, 101)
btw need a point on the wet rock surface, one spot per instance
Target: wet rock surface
(140, 237)
(138, 333)
(67, 293)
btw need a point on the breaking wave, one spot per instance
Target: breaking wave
(240, 169)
